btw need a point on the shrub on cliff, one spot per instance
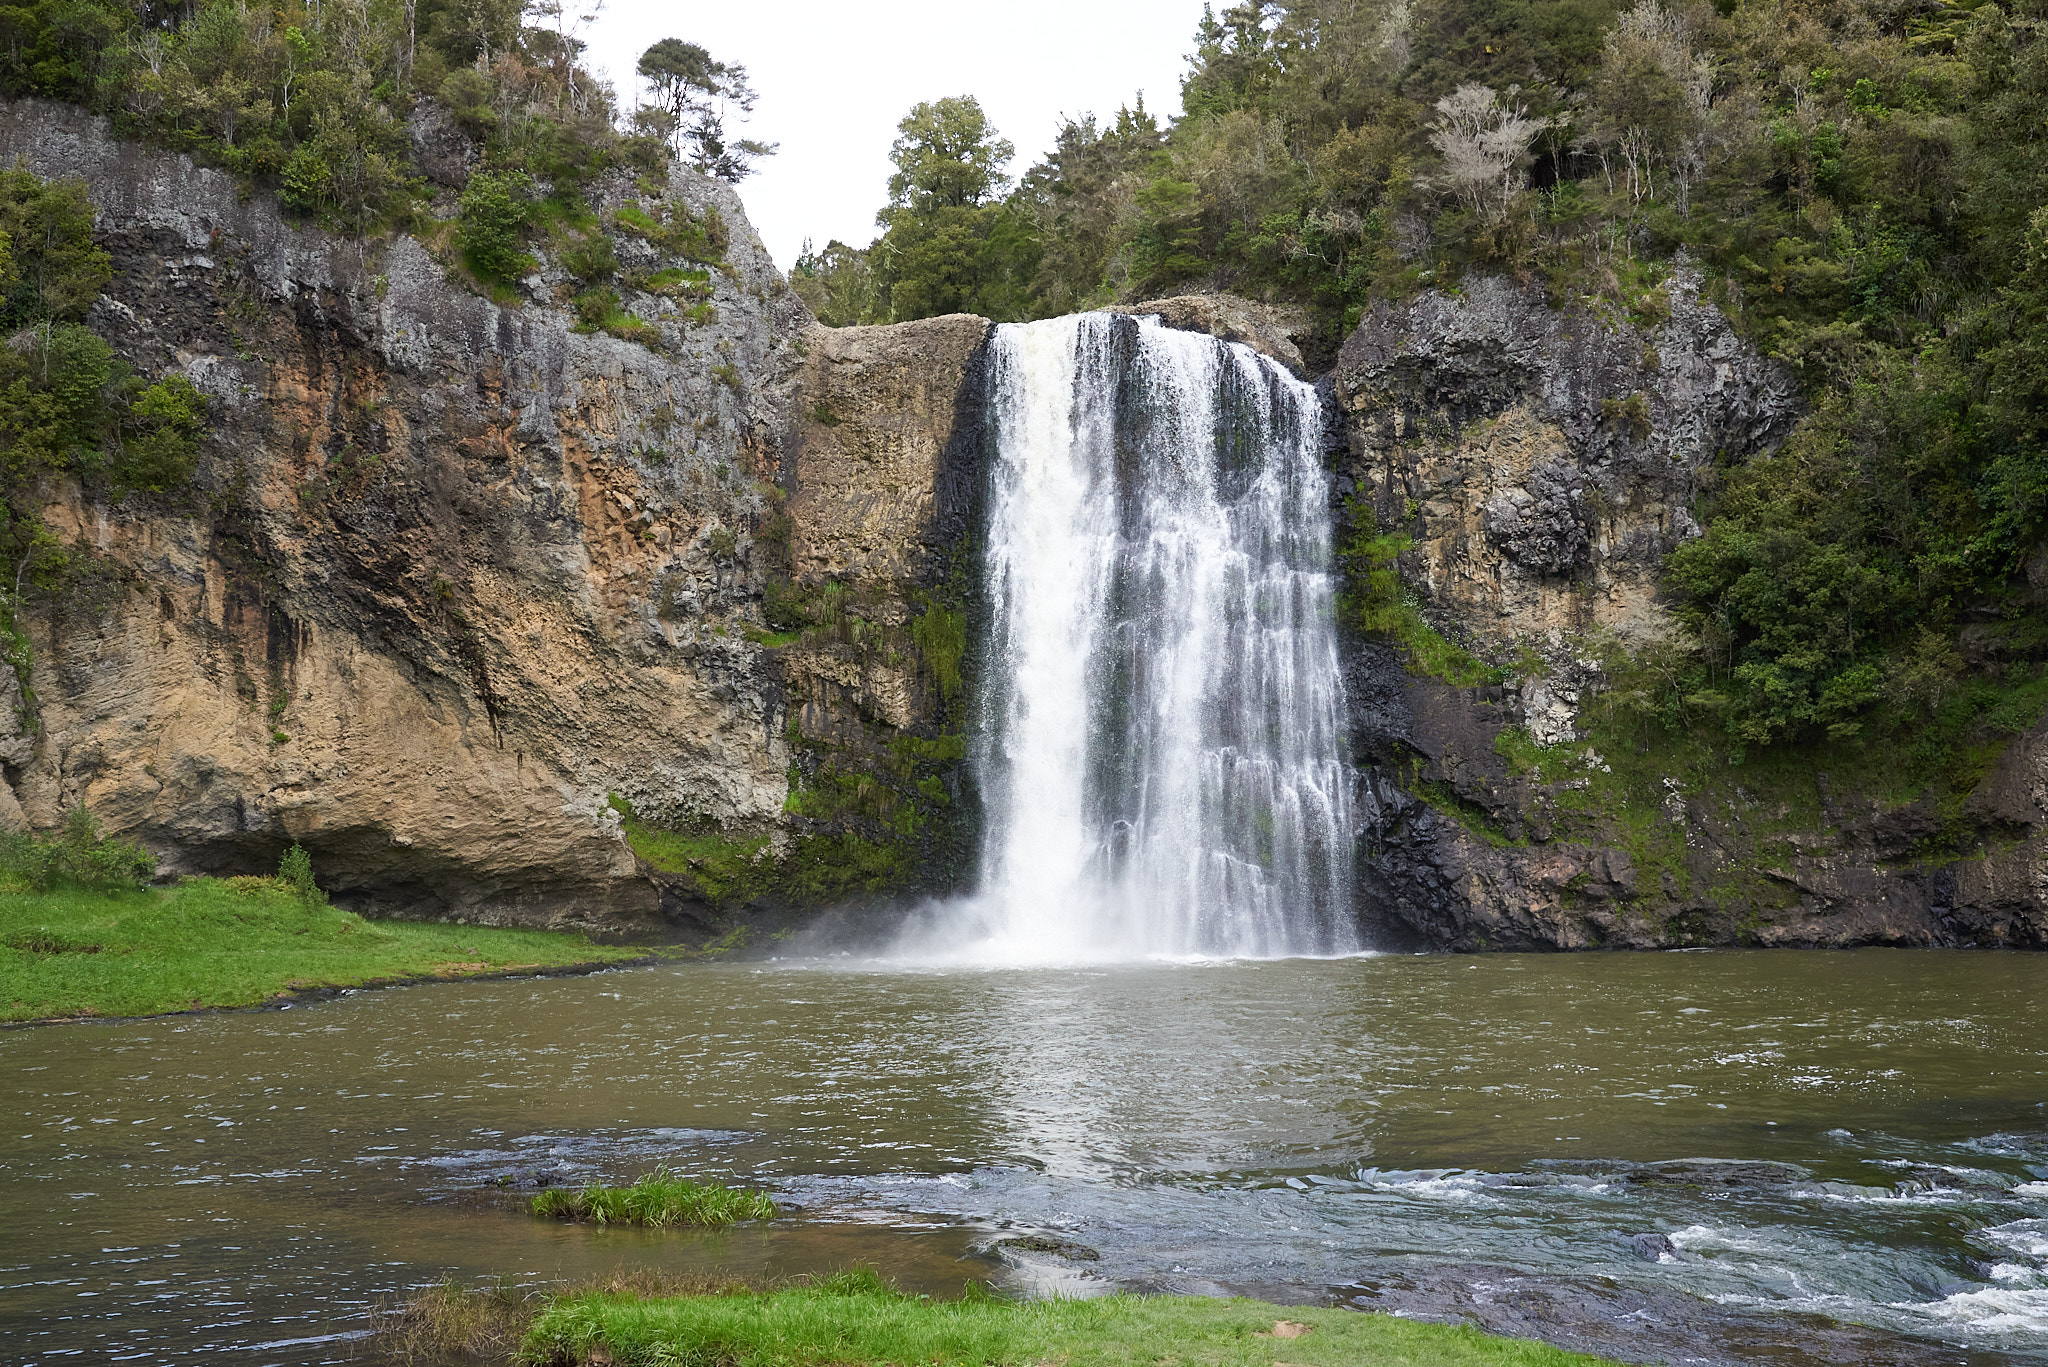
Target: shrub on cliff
(51, 269)
(67, 402)
(497, 208)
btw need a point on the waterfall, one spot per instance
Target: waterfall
(1161, 742)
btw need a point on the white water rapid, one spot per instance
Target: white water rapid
(1160, 750)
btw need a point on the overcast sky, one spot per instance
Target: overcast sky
(835, 77)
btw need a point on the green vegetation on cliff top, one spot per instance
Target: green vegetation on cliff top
(853, 1318)
(226, 942)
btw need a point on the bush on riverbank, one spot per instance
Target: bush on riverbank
(73, 951)
(853, 1318)
(79, 856)
(660, 1199)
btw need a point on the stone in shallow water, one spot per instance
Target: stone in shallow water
(1045, 1243)
(1652, 1247)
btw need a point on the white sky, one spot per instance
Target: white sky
(834, 79)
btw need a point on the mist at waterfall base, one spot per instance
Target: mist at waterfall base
(1159, 728)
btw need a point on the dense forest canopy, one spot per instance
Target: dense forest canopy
(1863, 184)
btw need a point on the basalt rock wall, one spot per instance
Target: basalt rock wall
(506, 616)
(1543, 463)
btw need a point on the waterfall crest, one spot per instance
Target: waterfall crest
(1160, 748)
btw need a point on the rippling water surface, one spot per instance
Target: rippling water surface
(1860, 1136)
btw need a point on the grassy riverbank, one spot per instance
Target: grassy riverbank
(853, 1319)
(73, 951)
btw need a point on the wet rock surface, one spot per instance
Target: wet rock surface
(1046, 1243)
(1286, 334)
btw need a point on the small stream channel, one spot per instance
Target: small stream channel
(1693, 1157)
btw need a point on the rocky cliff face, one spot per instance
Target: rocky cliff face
(507, 619)
(1543, 464)
(454, 572)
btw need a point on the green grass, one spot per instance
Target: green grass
(853, 1318)
(232, 942)
(1429, 651)
(599, 310)
(718, 862)
(660, 1199)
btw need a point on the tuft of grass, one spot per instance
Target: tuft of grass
(232, 942)
(451, 1322)
(941, 637)
(660, 1199)
(690, 286)
(855, 1318)
(600, 310)
(485, 1324)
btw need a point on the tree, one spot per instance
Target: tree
(695, 94)
(838, 284)
(1080, 200)
(947, 155)
(1651, 98)
(1484, 141)
(950, 245)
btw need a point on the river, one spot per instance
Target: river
(1495, 1137)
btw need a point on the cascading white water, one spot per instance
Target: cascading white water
(1161, 751)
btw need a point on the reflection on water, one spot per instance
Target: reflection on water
(212, 1184)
